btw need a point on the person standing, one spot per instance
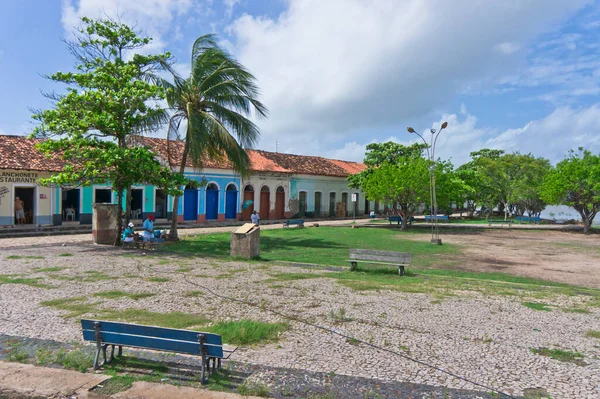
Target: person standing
(19, 211)
(254, 218)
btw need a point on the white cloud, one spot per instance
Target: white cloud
(229, 4)
(332, 70)
(507, 48)
(152, 16)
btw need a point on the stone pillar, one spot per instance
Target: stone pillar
(245, 241)
(105, 223)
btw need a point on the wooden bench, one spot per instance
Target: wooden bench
(109, 333)
(398, 219)
(443, 218)
(400, 259)
(500, 221)
(529, 219)
(292, 222)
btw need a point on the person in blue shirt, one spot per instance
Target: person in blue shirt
(148, 227)
(128, 233)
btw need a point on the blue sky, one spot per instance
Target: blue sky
(337, 75)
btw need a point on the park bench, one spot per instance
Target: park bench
(109, 333)
(400, 259)
(292, 222)
(443, 218)
(398, 219)
(529, 219)
(500, 221)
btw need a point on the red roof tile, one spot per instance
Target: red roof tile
(19, 152)
(350, 167)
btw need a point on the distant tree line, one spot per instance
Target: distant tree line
(513, 183)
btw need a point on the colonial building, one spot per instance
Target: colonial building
(279, 186)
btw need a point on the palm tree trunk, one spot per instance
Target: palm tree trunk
(174, 235)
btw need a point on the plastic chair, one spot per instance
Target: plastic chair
(70, 213)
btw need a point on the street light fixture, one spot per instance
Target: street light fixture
(435, 233)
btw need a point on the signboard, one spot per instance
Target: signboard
(43, 196)
(18, 177)
(354, 197)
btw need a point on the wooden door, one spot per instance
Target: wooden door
(265, 204)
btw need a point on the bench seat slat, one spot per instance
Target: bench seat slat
(169, 345)
(390, 259)
(378, 263)
(360, 253)
(158, 332)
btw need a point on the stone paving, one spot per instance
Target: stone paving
(486, 339)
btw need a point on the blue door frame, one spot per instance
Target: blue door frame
(212, 204)
(230, 204)
(190, 205)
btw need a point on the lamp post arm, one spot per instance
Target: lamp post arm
(424, 141)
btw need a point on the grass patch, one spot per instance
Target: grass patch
(65, 254)
(14, 257)
(32, 282)
(560, 355)
(185, 269)
(48, 269)
(89, 276)
(142, 316)
(157, 279)
(76, 306)
(292, 276)
(194, 294)
(576, 310)
(247, 332)
(537, 306)
(254, 389)
(593, 334)
(122, 294)
(78, 359)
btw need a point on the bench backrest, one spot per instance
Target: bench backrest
(159, 338)
(382, 256)
(295, 221)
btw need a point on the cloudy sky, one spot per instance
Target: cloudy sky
(520, 75)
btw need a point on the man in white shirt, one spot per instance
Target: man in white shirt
(254, 218)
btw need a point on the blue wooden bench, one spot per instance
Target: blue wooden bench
(109, 333)
(443, 218)
(292, 222)
(529, 219)
(398, 219)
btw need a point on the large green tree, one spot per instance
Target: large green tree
(575, 181)
(108, 99)
(211, 108)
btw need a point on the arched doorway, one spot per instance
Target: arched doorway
(212, 201)
(248, 196)
(332, 204)
(280, 203)
(265, 202)
(318, 196)
(302, 203)
(231, 195)
(345, 202)
(190, 202)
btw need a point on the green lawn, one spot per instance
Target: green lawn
(323, 245)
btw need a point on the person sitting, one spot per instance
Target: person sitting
(254, 218)
(128, 233)
(372, 214)
(148, 228)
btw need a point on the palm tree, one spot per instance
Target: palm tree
(213, 104)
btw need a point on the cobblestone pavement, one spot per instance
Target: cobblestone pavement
(487, 339)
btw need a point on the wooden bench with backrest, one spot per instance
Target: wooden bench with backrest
(109, 333)
(443, 218)
(529, 219)
(398, 219)
(292, 222)
(500, 221)
(400, 259)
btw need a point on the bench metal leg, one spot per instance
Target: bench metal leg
(401, 270)
(353, 266)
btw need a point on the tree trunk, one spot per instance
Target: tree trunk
(587, 224)
(174, 235)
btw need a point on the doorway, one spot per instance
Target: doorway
(331, 205)
(280, 203)
(265, 202)
(190, 203)
(345, 202)
(160, 202)
(248, 207)
(70, 204)
(318, 204)
(231, 196)
(27, 196)
(212, 202)
(302, 203)
(367, 207)
(103, 196)
(137, 203)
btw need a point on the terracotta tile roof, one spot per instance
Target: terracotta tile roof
(159, 146)
(261, 163)
(304, 164)
(19, 152)
(350, 167)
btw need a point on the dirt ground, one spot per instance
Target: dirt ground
(566, 257)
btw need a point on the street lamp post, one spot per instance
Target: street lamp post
(435, 233)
